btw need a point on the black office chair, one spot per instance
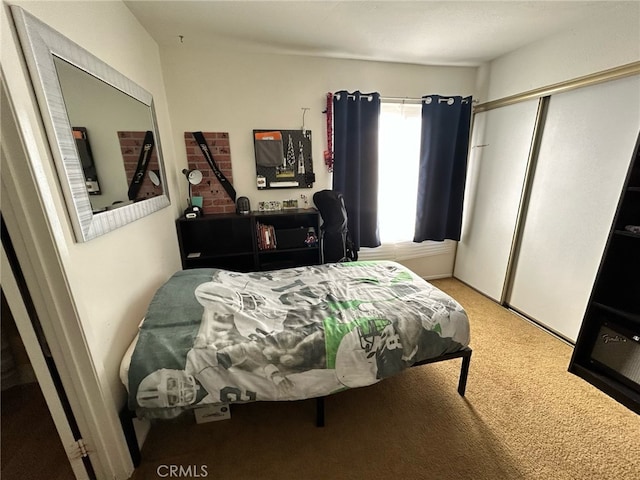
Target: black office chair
(335, 241)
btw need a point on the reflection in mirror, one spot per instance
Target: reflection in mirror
(154, 175)
(102, 131)
(138, 153)
(116, 125)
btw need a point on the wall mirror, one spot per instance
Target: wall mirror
(102, 130)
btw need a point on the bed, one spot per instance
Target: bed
(213, 336)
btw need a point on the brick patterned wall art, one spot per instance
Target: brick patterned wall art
(130, 145)
(214, 197)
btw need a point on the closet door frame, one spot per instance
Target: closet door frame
(543, 94)
(523, 205)
(580, 169)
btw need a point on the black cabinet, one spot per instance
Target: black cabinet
(607, 352)
(232, 241)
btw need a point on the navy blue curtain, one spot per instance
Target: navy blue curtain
(443, 167)
(356, 118)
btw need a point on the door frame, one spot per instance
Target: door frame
(36, 234)
(17, 305)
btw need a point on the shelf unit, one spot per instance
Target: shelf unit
(607, 352)
(230, 241)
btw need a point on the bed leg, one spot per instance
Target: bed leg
(464, 372)
(320, 412)
(126, 420)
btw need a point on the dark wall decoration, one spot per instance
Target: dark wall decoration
(283, 159)
(131, 143)
(214, 197)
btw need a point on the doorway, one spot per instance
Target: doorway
(26, 424)
(39, 435)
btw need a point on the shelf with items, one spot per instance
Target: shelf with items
(290, 231)
(612, 352)
(607, 351)
(237, 242)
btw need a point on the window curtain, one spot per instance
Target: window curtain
(443, 167)
(355, 165)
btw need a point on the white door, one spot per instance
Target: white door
(500, 145)
(586, 147)
(37, 359)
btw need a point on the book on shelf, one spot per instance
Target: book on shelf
(266, 236)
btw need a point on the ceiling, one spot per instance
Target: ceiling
(464, 33)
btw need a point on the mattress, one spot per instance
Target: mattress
(213, 336)
(126, 362)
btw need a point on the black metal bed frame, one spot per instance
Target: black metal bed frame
(465, 354)
(127, 416)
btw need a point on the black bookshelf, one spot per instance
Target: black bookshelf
(607, 352)
(230, 241)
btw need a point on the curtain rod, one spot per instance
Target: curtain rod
(415, 100)
(404, 99)
(401, 99)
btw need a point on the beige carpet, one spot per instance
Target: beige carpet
(523, 417)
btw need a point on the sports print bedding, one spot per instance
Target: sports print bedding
(216, 336)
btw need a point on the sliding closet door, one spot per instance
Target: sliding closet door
(500, 145)
(586, 147)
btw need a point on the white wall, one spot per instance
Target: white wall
(211, 90)
(111, 278)
(605, 42)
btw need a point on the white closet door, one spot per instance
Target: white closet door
(500, 144)
(586, 148)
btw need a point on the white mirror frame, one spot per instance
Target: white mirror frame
(40, 43)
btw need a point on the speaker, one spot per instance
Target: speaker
(618, 349)
(243, 207)
(193, 212)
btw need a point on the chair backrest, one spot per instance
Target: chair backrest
(335, 242)
(330, 204)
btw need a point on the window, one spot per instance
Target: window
(399, 159)
(399, 155)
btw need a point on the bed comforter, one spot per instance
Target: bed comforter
(216, 336)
